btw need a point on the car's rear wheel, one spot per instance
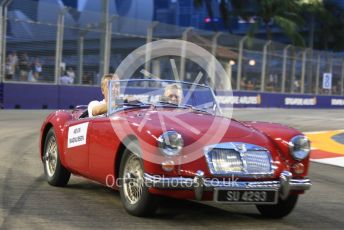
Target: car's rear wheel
(133, 191)
(279, 210)
(55, 173)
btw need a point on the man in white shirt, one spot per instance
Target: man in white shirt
(65, 79)
(96, 108)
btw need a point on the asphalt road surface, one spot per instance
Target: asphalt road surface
(28, 202)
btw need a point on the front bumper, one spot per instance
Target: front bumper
(200, 184)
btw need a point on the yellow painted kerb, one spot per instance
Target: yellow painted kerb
(323, 141)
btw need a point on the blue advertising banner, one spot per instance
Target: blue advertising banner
(40, 96)
(277, 100)
(1, 95)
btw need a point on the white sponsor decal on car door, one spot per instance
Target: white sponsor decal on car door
(77, 135)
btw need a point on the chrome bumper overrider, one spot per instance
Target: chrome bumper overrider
(200, 184)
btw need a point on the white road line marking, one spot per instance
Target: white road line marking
(337, 161)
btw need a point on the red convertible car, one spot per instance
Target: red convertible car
(171, 140)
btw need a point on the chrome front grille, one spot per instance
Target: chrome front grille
(257, 161)
(233, 158)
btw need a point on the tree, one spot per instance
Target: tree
(282, 13)
(311, 9)
(329, 32)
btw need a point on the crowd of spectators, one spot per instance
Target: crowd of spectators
(19, 67)
(26, 67)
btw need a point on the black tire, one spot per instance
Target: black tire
(60, 176)
(279, 210)
(146, 203)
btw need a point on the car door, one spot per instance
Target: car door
(103, 147)
(77, 145)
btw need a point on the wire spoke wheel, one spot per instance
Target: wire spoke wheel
(56, 174)
(134, 193)
(133, 179)
(51, 156)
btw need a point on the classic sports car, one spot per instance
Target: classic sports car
(170, 139)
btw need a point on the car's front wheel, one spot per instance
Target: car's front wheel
(133, 191)
(279, 210)
(55, 173)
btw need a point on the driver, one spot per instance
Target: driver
(96, 108)
(173, 94)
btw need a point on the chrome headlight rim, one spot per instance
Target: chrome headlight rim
(170, 143)
(299, 151)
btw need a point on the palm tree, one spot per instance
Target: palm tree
(311, 10)
(329, 32)
(283, 13)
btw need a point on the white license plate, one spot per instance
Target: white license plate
(252, 196)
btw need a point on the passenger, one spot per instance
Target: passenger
(96, 108)
(173, 94)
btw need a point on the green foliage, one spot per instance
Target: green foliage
(329, 31)
(290, 28)
(293, 17)
(278, 11)
(284, 14)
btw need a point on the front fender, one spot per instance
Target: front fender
(280, 135)
(57, 121)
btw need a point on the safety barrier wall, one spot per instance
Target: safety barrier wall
(44, 96)
(39, 96)
(1, 95)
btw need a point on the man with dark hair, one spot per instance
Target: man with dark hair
(96, 108)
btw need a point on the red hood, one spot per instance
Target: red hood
(193, 126)
(197, 129)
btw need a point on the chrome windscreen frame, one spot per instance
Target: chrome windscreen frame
(241, 148)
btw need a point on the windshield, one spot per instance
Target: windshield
(161, 93)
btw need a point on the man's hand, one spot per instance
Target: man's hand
(99, 109)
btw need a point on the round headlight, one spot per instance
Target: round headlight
(299, 147)
(170, 143)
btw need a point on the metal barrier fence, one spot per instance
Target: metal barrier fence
(48, 44)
